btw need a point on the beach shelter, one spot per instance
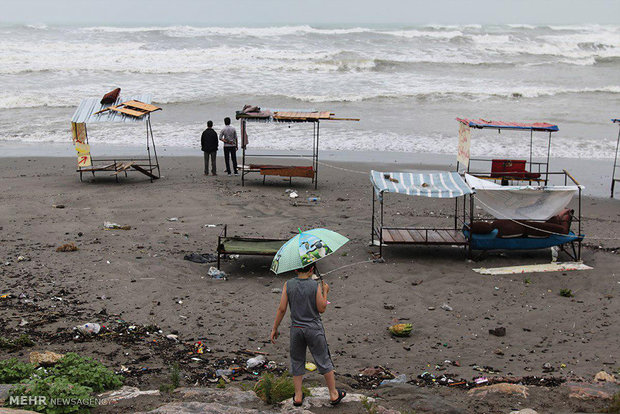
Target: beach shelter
(253, 114)
(132, 109)
(433, 184)
(505, 169)
(524, 217)
(615, 176)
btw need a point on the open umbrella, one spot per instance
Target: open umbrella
(305, 248)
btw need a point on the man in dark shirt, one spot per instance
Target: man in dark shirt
(209, 144)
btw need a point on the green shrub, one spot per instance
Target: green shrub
(272, 389)
(60, 395)
(567, 293)
(12, 371)
(86, 372)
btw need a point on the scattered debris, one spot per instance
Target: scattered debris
(567, 293)
(113, 226)
(276, 290)
(67, 247)
(173, 219)
(58, 206)
(255, 362)
(446, 307)
(401, 329)
(293, 194)
(310, 366)
(201, 257)
(90, 328)
(388, 306)
(401, 379)
(499, 331)
(215, 273)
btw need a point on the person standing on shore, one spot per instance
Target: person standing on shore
(307, 299)
(209, 144)
(228, 136)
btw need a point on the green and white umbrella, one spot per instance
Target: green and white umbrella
(305, 248)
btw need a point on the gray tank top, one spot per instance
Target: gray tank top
(302, 302)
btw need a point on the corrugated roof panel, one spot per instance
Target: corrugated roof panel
(85, 111)
(483, 123)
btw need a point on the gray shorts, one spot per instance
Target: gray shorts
(314, 339)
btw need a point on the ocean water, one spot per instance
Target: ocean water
(407, 84)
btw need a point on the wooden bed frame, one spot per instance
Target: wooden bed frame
(254, 246)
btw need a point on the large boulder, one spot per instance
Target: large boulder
(45, 359)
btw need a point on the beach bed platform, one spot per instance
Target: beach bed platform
(423, 236)
(252, 246)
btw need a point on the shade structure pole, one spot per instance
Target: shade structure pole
(372, 220)
(456, 212)
(243, 170)
(148, 145)
(316, 157)
(613, 173)
(531, 147)
(548, 157)
(381, 229)
(154, 148)
(579, 230)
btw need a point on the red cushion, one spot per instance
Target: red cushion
(508, 229)
(548, 229)
(481, 227)
(110, 97)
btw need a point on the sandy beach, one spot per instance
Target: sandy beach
(139, 276)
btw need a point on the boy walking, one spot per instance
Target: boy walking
(209, 144)
(307, 299)
(228, 136)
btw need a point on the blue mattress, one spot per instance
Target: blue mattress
(492, 242)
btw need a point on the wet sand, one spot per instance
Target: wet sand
(140, 275)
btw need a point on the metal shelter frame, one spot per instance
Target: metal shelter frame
(286, 117)
(315, 153)
(616, 165)
(428, 236)
(576, 218)
(91, 111)
(500, 125)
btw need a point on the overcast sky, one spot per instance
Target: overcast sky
(317, 12)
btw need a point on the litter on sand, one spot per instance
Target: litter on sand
(201, 257)
(310, 366)
(215, 273)
(113, 226)
(546, 267)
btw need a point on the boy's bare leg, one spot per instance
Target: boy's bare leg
(297, 380)
(330, 379)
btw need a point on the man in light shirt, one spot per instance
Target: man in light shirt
(228, 136)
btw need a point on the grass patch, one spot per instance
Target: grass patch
(272, 389)
(567, 293)
(527, 281)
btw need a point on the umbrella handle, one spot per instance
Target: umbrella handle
(316, 270)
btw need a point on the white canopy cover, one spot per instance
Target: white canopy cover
(521, 202)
